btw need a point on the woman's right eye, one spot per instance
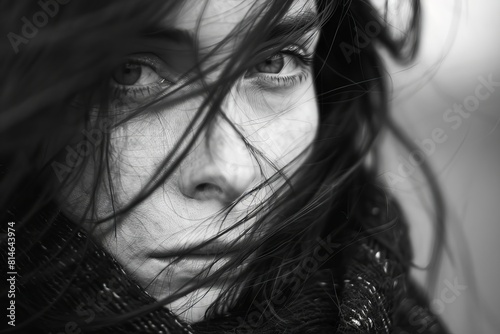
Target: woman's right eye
(135, 74)
(136, 79)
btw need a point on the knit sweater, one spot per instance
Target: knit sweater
(68, 284)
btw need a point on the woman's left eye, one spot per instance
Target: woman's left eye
(284, 68)
(273, 64)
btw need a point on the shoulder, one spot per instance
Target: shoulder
(377, 292)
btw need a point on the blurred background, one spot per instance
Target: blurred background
(448, 102)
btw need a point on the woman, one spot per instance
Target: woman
(201, 166)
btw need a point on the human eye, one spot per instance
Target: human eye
(286, 68)
(139, 77)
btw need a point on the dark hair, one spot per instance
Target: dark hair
(55, 85)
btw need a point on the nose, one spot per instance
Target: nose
(220, 167)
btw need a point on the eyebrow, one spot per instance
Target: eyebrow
(305, 21)
(169, 34)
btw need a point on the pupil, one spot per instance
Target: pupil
(127, 74)
(273, 64)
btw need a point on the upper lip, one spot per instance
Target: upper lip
(213, 249)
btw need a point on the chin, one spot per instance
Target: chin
(192, 307)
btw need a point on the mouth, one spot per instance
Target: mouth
(192, 262)
(214, 249)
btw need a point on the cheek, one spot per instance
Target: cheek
(290, 132)
(137, 148)
(290, 137)
(140, 146)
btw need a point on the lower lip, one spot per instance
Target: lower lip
(191, 266)
(196, 257)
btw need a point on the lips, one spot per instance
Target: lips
(213, 249)
(191, 263)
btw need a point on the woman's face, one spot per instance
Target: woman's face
(273, 106)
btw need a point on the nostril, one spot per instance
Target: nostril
(208, 188)
(213, 182)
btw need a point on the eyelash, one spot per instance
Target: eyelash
(265, 81)
(305, 61)
(123, 91)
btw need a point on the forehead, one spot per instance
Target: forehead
(212, 20)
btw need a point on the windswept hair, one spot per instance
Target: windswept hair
(56, 85)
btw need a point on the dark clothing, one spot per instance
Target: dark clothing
(81, 287)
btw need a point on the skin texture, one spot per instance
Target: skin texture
(281, 122)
